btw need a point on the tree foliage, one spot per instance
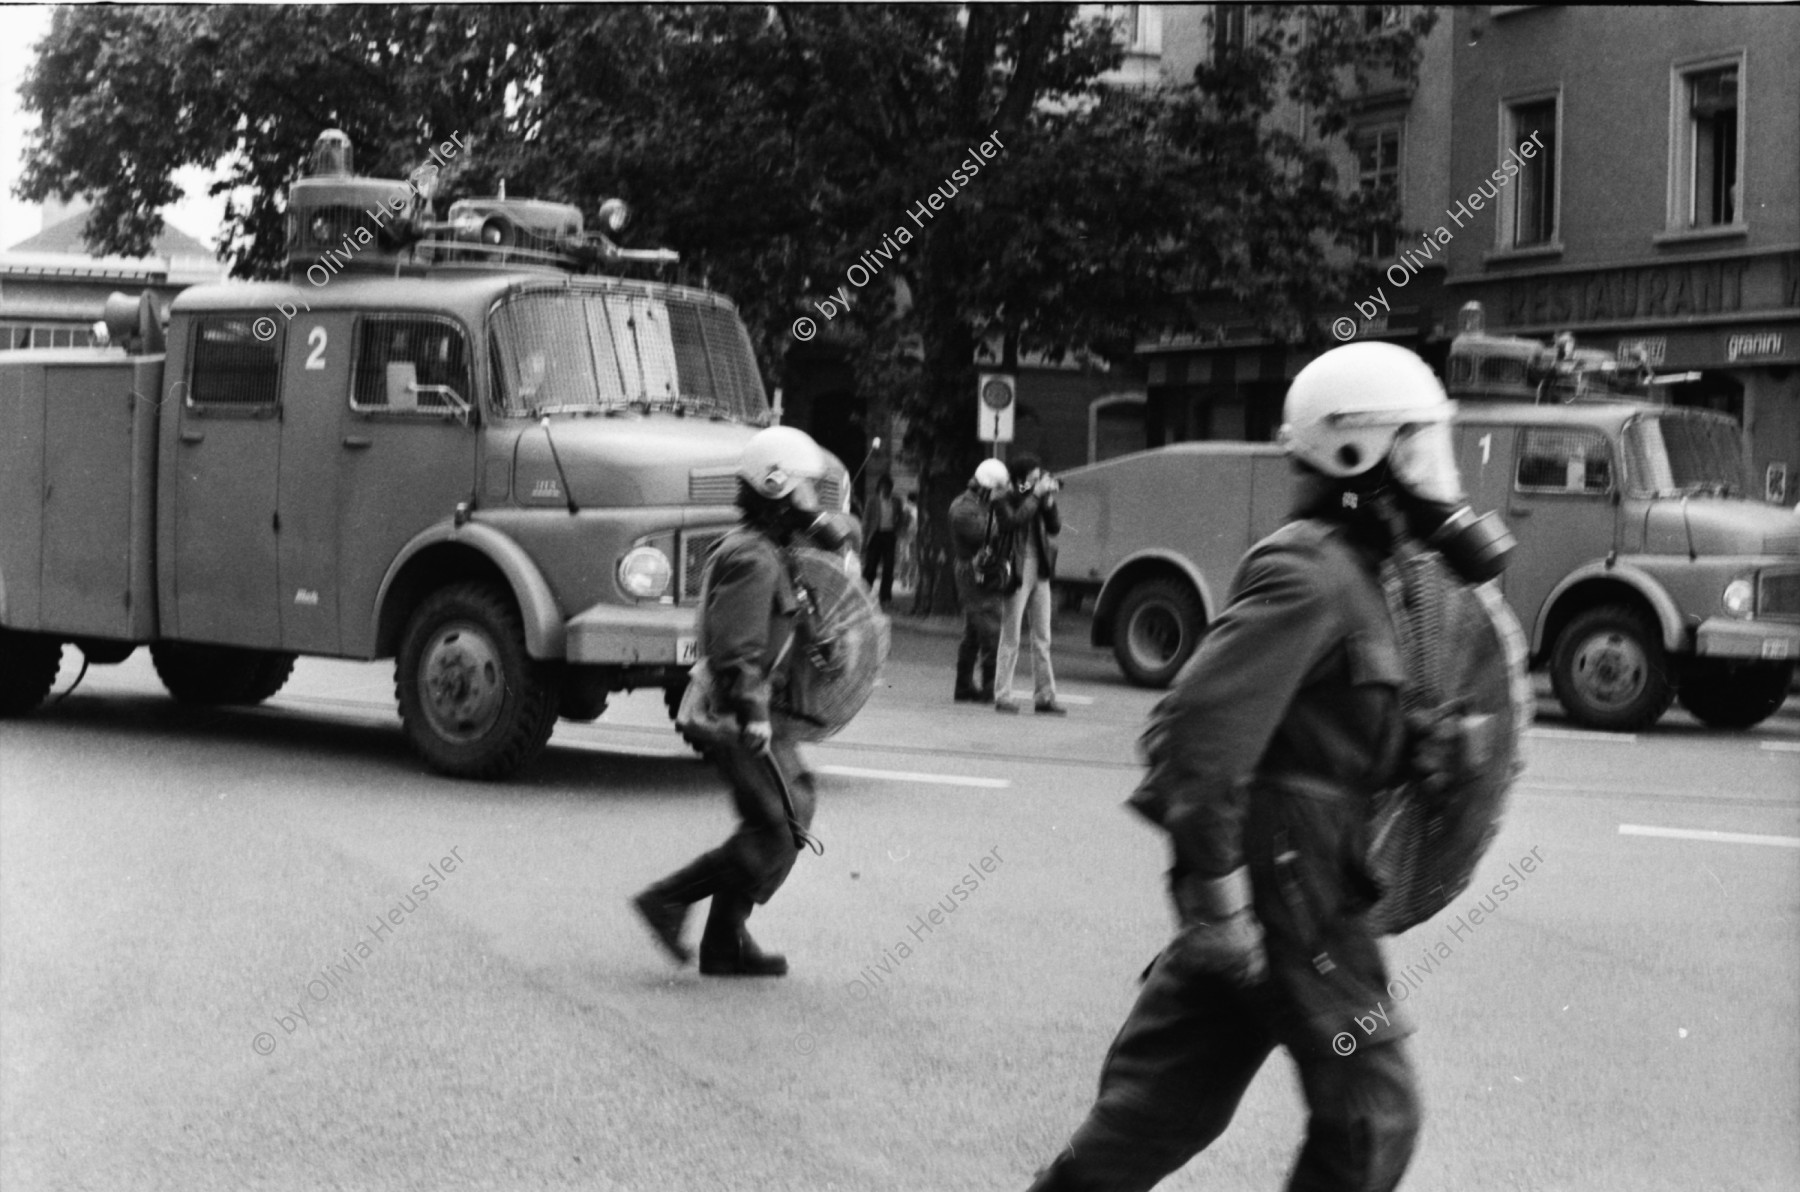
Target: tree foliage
(772, 146)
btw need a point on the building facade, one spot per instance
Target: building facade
(1221, 378)
(1662, 214)
(52, 291)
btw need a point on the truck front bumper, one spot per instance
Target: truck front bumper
(1722, 637)
(623, 635)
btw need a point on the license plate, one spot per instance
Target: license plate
(687, 649)
(1775, 649)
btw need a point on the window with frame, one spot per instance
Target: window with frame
(1554, 460)
(1709, 172)
(403, 364)
(1139, 27)
(1228, 30)
(234, 368)
(1378, 170)
(1528, 206)
(1377, 17)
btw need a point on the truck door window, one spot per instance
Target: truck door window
(403, 364)
(1553, 460)
(234, 368)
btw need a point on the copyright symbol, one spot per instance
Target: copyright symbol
(263, 329)
(1345, 330)
(805, 329)
(805, 1044)
(263, 1044)
(1344, 1043)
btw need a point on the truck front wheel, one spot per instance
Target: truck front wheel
(28, 665)
(219, 674)
(1734, 695)
(474, 703)
(1610, 672)
(1155, 631)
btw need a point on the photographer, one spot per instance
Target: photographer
(1030, 516)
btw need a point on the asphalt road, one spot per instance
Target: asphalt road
(210, 976)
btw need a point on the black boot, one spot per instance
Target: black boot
(664, 906)
(726, 949)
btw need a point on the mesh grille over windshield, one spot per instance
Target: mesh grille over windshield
(661, 348)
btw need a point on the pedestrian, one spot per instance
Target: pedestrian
(746, 626)
(1028, 514)
(886, 516)
(971, 521)
(906, 570)
(1262, 765)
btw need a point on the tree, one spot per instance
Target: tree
(774, 147)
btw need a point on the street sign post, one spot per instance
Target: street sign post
(994, 412)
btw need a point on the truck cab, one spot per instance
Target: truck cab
(453, 444)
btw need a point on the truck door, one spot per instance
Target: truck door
(405, 458)
(227, 454)
(1556, 493)
(316, 372)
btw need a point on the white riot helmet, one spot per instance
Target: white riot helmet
(992, 475)
(1346, 412)
(778, 459)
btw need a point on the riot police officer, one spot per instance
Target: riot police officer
(1262, 764)
(747, 623)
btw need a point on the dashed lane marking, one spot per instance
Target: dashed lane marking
(1782, 746)
(1575, 734)
(1707, 835)
(914, 776)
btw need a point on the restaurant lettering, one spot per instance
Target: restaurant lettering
(1648, 292)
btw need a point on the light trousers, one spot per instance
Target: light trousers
(1033, 600)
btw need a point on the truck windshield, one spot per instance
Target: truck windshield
(1681, 454)
(570, 351)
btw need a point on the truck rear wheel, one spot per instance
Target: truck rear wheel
(1156, 630)
(1610, 672)
(1734, 695)
(28, 666)
(219, 674)
(474, 703)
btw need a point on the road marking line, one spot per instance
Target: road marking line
(1575, 734)
(913, 776)
(1782, 746)
(619, 749)
(1703, 834)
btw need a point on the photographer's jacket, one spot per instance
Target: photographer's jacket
(746, 620)
(1028, 514)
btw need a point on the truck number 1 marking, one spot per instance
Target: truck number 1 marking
(1487, 445)
(316, 359)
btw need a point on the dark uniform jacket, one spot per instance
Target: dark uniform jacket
(1280, 729)
(746, 620)
(1021, 515)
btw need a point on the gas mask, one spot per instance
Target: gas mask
(1423, 464)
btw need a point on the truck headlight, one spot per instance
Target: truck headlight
(1740, 597)
(645, 572)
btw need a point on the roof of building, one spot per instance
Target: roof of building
(66, 236)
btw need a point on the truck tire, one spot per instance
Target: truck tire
(1734, 695)
(28, 666)
(219, 674)
(1609, 670)
(474, 703)
(1155, 631)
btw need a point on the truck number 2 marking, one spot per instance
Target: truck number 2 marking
(316, 359)
(1487, 445)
